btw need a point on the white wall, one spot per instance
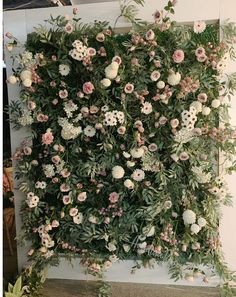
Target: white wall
(20, 23)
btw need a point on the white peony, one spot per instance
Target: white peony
(89, 131)
(105, 82)
(189, 217)
(64, 69)
(12, 79)
(174, 78)
(201, 222)
(27, 83)
(129, 184)
(117, 172)
(206, 110)
(137, 152)
(215, 103)
(195, 228)
(138, 175)
(197, 105)
(25, 74)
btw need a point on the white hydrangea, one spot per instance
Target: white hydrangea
(69, 131)
(197, 105)
(201, 176)
(49, 170)
(26, 119)
(26, 59)
(189, 217)
(69, 107)
(184, 135)
(118, 172)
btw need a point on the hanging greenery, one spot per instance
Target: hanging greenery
(126, 129)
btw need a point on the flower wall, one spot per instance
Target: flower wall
(122, 162)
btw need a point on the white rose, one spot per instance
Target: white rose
(189, 217)
(195, 228)
(118, 172)
(174, 78)
(27, 83)
(12, 79)
(129, 184)
(105, 82)
(161, 84)
(215, 103)
(197, 105)
(206, 110)
(25, 74)
(201, 222)
(137, 152)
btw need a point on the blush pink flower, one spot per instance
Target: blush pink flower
(88, 88)
(56, 159)
(199, 27)
(69, 28)
(63, 94)
(82, 196)
(64, 188)
(117, 59)
(200, 51)
(47, 138)
(129, 88)
(178, 56)
(66, 199)
(113, 197)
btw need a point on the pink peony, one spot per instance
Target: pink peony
(114, 197)
(47, 138)
(88, 88)
(178, 56)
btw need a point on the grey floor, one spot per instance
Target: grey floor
(70, 288)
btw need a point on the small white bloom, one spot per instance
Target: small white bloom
(161, 84)
(206, 110)
(111, 247)
(201, 222)
(195, 228)
(64, 69)
(197, 105)
(137, 152)
(199, 26)
(92, 219)
(215, 103)
(89, 131)
(126, 248)
(138, 175)
(25, 74)
(126, 155)
(147, 108)
(130, 164)
(129, 184)
(189, 217)
(27, 82)
(117, 172)
(174, 78)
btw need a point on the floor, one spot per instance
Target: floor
(71, 288)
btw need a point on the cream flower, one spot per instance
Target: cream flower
(137, 152)
(89, 131)
(106, 82)
(117, 172)
(201, 222)
(195, 228)
(129, 184)
(147, 108)
(78, 219)
(155, 75)
(12, 79)
(161, 84)
(82, 196)
(206, 110)
(174, 78)
(189, 217)
(215, 103)
(64, 69)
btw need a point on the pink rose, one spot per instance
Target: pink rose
(129, 88)
(178, 56)
(114, 197)
(47, 138)
(88, 88)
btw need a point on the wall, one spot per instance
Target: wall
(19, 23)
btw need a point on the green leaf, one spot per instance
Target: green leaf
(18, 285)
(10, 287)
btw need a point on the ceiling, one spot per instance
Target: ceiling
(27, 4)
